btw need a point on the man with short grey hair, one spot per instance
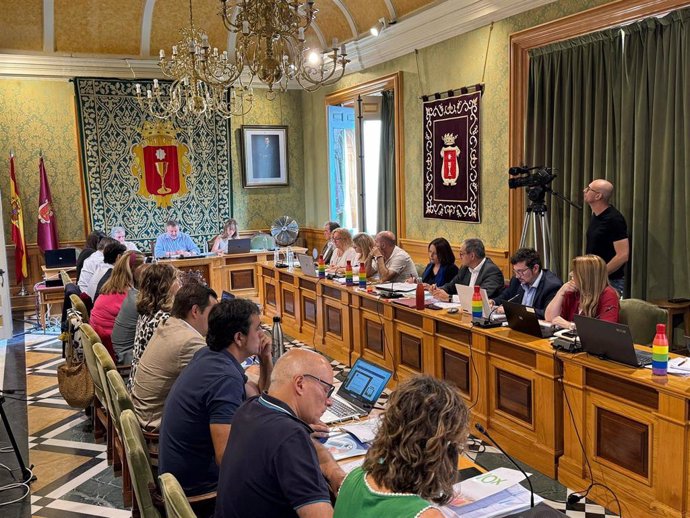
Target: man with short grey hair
(391, 262)
(118, 233)
(476, 270)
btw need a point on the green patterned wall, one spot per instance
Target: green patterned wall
(258, 208)
(39, 115)
(447, 65)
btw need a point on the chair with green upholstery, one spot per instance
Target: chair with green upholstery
(139, 464)
(642, 318)
(176, 504)
(88, 337)
(120, 400)
(116, 453)
(79, 306)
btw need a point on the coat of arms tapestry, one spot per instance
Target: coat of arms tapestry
(140, 171)
(451, 158)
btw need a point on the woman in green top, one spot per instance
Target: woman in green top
(412, 463)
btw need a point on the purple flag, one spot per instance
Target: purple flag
(47, 237)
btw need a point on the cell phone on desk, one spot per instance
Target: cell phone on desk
(434, 306)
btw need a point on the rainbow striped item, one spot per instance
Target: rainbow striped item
(348, 274)
(362, 276)
(322, 268)
(660, 352)
(477, 303)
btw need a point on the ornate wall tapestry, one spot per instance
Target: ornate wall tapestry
(140, 172)
(451, 158)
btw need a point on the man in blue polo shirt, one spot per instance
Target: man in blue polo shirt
(273, 468)
(200, 408)
(174, 243)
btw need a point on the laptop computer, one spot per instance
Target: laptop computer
(239, 246)
(307, 264)
(61, 258)
(358, 393)
(524, 319)
(609, 341)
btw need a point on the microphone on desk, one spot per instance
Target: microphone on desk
(483, 431)
(486, 323)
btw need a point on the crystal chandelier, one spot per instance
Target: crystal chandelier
(203, 81)
(270, 45)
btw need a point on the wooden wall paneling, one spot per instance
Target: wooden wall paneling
(414, 344)
(337, 323)
(290, 308)
(372, 326)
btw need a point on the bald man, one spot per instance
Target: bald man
(391, 262)
(272, 467)
(607, 235)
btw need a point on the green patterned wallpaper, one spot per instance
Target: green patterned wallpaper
(38, 115)
(450, 64)
(258, 208)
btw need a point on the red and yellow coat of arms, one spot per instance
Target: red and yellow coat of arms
(450, 154)
(161, 163)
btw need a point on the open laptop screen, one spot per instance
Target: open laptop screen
(365, 383)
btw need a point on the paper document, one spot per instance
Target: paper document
(349, 466)
(364, 431)
(484, 485)
(344, 445)
(679, 366)
(506, 502)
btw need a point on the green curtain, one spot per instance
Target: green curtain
(614, 105)
(386, 194)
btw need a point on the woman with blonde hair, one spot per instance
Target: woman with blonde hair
(230, 231)
(363, 244)
(157, 289)
(112, 295)
(586, 293)
(344, 250)
(413, 461)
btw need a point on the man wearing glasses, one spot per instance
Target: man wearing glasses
(200, 409)
(531, 286)
(273, 467)
(607, 235)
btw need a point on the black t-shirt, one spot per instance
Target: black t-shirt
(270, 467)
(605, 229)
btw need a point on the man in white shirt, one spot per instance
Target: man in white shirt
(477, 269)
(391, 262)
(92, 263)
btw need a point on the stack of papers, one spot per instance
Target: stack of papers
(490, 495)
(344, 445)
(679, 366)
(365, 431)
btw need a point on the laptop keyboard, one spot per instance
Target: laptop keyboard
(340, 409)
(643, 358)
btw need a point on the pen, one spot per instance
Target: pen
(681, 363)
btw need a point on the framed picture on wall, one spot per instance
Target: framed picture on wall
(264, 151)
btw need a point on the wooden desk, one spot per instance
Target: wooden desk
(636, 432)
(510, 380)
(45, 299)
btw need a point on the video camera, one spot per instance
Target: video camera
(536, 179)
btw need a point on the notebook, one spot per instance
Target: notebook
(524, 319)
(61, 258)
(239, 246)
(609, 341)
(307, 264)
(358, 393)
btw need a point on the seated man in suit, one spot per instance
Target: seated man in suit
(476, 270)
(329, 247)
(174, 242)
(532, 285)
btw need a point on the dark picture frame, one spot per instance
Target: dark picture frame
(264, 156)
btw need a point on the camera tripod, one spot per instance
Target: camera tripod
(27, 476)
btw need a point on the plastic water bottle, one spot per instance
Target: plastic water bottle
(419, 295)
(660, 352)
(278, 348)
(362, 276)
(276, 257)
(477, 309)
(290, 258)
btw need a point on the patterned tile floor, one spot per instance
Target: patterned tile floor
(73, 477)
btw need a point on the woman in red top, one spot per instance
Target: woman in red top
(112, 294)
(586, 293)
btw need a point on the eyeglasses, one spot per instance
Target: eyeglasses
(520, 273)
(330, 387)
(337, 239)
(588, 188)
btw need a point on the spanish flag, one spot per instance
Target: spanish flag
(20, 267)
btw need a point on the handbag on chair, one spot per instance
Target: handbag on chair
(74, 381)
